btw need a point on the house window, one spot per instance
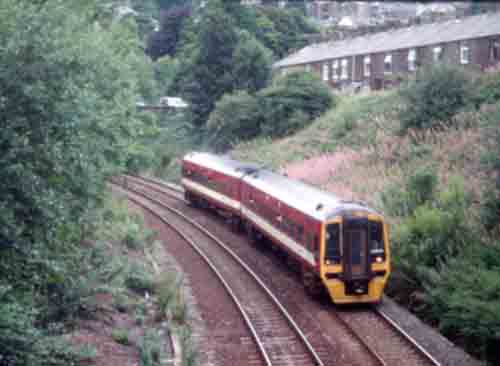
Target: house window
(388, 64)
(412, 59)
(343, 71)
(437, 54)
(326, 72)
(464, 53)
(495, 50)
(335, 70)
(367, 66)
(308, 68)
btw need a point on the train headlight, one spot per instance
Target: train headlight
(379, 259)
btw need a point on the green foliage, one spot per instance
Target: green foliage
(236, 117)
(436, 94)
(284, 107)
(120, 336)
(230, 49)
(487, 90)
(293, 101)
(280, 30)
(464, 297)
(67, 109)
(435, 227)
(252, 65)
(139, 278)
(150, 348)
(207, 73)
(165, 40)
(490, 203)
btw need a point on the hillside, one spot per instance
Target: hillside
(433, 179)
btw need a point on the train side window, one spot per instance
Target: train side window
(300, 233)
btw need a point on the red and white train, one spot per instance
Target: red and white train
(339, 245)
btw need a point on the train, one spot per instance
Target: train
(340, 247)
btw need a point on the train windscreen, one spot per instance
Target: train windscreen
(332, 250)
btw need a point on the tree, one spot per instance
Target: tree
(252, 65)
(292, 101)
(235, 118)
(209, 74)
(165, 40)
(70, 81)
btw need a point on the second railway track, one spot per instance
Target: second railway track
(372, 328)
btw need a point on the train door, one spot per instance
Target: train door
(356, 255)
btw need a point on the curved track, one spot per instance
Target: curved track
(279, 339)
(372, 328)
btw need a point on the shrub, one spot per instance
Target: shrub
(419, 189)
(435, 231)
(235, 117)
(121, 302)
(132, 237)
(120, 336)
(488, 89)
(464, 297)
(435, 96)
(139, 278)
(296, 92)
(150, 348)
(490, 209)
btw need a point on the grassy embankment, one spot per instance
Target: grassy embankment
(433, 185)
(131, 289)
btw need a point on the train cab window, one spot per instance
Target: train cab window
(332, 241)
(377, 250)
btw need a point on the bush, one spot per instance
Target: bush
(488, 90)
(235, 117)
(419, 189)
(437, 94)
(120, 336)
(288, 105)
(150, 348)
(464, 297)
(435, 231)
(290, 94)
(139, 278)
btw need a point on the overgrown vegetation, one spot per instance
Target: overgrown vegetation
(286, 106)
(434, 96)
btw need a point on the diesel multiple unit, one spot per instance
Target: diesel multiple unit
(338, 245)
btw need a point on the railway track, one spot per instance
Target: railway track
(372, 328)
(278, 338)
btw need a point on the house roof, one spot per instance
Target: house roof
(417, 36)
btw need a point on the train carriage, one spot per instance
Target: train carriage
(210, 180)
(339, 245)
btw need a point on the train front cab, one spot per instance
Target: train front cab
(355, 258)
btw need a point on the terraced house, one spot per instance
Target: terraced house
(380, 60)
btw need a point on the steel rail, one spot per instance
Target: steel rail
(268, 292)
(361, 340)
(409, 338)
(210, 264)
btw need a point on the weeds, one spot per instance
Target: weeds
(120, 336)
(139, 279)
(150, 348)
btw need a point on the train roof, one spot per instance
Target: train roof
(312, 201)
(222, 164)
(303, 197)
